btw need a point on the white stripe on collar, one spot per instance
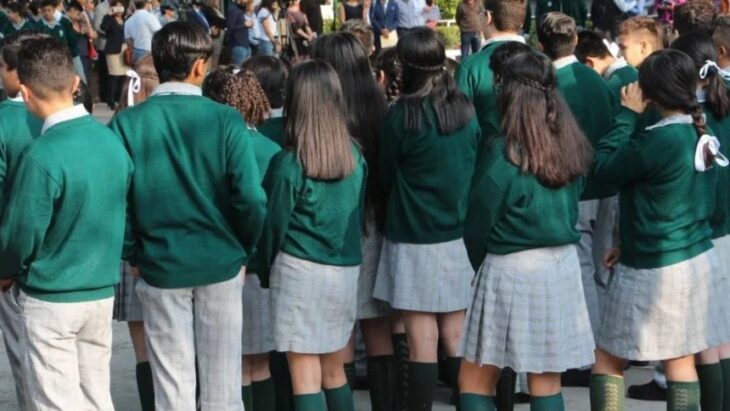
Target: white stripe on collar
(676, 119)
(276, 113)
(615, 66)
(701, 95)
(175, 87)
(17, 99)
(506, 37)
(67, 114)
(564, 62)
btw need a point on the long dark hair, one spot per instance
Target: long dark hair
(271, 74)
(387, 63)
(423, 57)
(316, 128)
(700, 47)
(542, 136)
(365, 103)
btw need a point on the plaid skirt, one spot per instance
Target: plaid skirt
(368, 307)
(126, 303)
(528, 312)
(433, 278)
(313, 305)
(667, 312)
(722, 246)
(258, 327)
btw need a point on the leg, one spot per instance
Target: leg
(170, 344)
(218, 326)
(348, 361)
(450, 326)
(477, 385)
(336, 389)
(246, 391)
(376, 333)
(264, 397)
(545, 392)
(306, 373)
(282, 381)
(710, 376)
(466, 44)
(586, 226)
(145, 386)
(683, 389)
(607, 382)
(400, 347)
(102, 73)
(423, 335)
(382, 366)
(94, 344)
(11, 327)
(476, 43)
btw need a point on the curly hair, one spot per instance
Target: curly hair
(243, 92)
(215, 81)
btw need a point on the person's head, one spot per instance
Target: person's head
(316, 125)
(48, 9)
(699, 46)
(47, 76)
(267, 4)
(16, 12)
(9, 47)
(693, 15)
(145, 69)
(271, 74)
(721, 38)
(430, 2)
(542, 138)
(167, 11)
(388, 72)
(592, 51)
(502, 54)
(507, 16)
(639, 37)
(181, 51)
(363, 31)
(34, 6)
(243, 92)
(214, 82)
(423, 58)
(74, 11)
(557, 34)
(154, 3)
(142, 5)
(668, 79)
(116, 7)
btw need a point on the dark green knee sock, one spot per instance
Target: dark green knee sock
(402, 352)
(711, 383)
(264, 396)
(607, 393)
(476, 402)
(550, 403)
(309, 402)
(247, 395)
(383, 382)
(452, 365)
(145, 386)
(422, 378)
(350, 374)
(282, 381)
(683, 396)
(340, 399)
(725, 366)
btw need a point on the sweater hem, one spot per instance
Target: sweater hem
(663, 259)
(172, 280)
(431, 238)
(78, 296)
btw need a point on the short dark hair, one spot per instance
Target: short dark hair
(271, 74)
(502, 54)
(139, 4)
(590, 44)
(556, 33)
(45, 66)
(10, 45)
(16, 7)
(47, 3)
(693, 15)
(721, 32)
(75, 5)
(176, 47)
(508, 15)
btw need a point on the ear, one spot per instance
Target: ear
(381, 77)
(590, 62)
(26, 93)
(488, 17)
(200, 69)
(722, 51)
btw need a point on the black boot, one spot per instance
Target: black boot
(505, 399)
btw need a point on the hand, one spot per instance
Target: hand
(385, 33)
(248, 23)
(5, 284)
(610, 259)
(633, 98)
(135, 272)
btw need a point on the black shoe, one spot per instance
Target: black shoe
(576, 378)
(522, 398)
(650, 391)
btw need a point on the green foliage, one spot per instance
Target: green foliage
(448, 8)
(328, 26)
(449, 35)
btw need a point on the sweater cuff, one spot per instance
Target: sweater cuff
(627, 116)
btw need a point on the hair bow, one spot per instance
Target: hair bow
(135, 85)
(705, 70)
(708, 144)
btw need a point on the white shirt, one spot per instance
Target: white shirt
(17, 99)
(507, 37)
(140, 28)
(176, 87)
(564, 62)
(616, 65)
(70, 113)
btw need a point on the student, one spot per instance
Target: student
(504, 20)
(668, 182)
(593, 51)
(271, 74)
(64, 186)
(638, 38)
(693, 15)
(201, 194)
(349, 58)
(576, 9)
(721, 38)
(713, 365)
(525, 259)
(388, 73)
(61, 28)
(84, 33)
(469, 18)
(18, 128)
(310, 247)
(139, 84)
(16, 19)
(426, 164)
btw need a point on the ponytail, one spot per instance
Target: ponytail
(717, 94)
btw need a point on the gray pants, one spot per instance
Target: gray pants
(66, 349)
(183, 324)
(11, 327)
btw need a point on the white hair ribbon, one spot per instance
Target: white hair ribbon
(711, 144)
(135, 85)
(705, 70)
(612, 47)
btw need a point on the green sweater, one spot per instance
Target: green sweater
(273, 128)
(8, 28)
(580, 85)
(64, 31)
(573, 8)
(315, 220)
(427, 177)
(720, 221)
(665, 205)
(621, 78)
(63, 227)
(196, 203)
(511, 211)
(18, 128)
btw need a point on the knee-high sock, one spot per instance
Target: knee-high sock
(505, 398)
(350, 374)
(309, 402)
(476, 402)
(725, 365)
(247, 395)
(607, 393)
(282, 381)
(383, 381)
(400, 347)
(145, 386)
(452, 365)
(711, 386)
(422, 378)
(549, 403)
(264, 397)
(340, 399)
(683, 396)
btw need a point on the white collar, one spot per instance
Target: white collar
(701, 95)
(615, 66)
(47, 24)
(17, 99)
(564, 62)
(506, 37)
(276, 113)
(176, 87)
(676, 119)
(67, 114)
(18, 26)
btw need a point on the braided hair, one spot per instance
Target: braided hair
(387, 63)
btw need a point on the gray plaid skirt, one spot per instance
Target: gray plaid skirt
(258, 327)
(722, 246)
(433, 278)
(528, 312)
(667, 312)
(369, 307)
(126, 303)
(313, 305)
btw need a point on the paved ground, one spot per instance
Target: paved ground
(124, 391)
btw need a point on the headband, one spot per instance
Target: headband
(425, 68)
(135, 85)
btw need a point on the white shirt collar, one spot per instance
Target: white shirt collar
(564, 62)
(70, 113)
(676, 119)
(58, 15)
(276, 113)
(49, 25)
(506, 37)
(175, 87)
(701, 95)
(615, 66)
(17, 99)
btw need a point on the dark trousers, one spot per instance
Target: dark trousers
(470, 43)
(102, 74)
(113, 89)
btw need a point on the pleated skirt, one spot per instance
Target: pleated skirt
(368, 307)
(258, 326)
